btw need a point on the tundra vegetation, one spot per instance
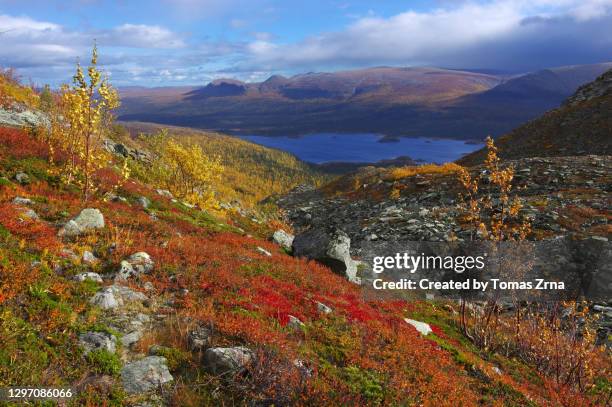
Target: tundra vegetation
(558, 338)
(210, 274)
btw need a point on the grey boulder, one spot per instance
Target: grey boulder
(133, 266)
(145, 374)
(92, 341)
(329, 248)
(88, 276)
(89, 219)
(106, 299)
(198, 339)
(222, 361)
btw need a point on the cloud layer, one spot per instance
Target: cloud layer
(499, 34)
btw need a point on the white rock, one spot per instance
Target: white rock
(22, 178)
(283, 239)
(125, 271)
(134, 265)
(28, 213)
(165, 193)
(88, 276)
(422, 327)
(264, 251)
(144, 202)
(22, 201)
(323, 308)
(294, 322)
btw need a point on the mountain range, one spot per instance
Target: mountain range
(581, 125)
(430, 102)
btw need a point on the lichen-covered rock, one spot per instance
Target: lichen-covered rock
(91, 341)
(125, 271)
(141, 262)
(127, 294)
(283, 239)
(164, 193)
(28, 214)
(106, 299)
(223, 361)
(23, 118)
(145, 374)
(131, 338)
(133, 266)
(89, 219)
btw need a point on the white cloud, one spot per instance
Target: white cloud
(439, 36)
(141, 36)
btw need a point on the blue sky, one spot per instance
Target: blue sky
(190, 42)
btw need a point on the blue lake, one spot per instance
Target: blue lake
(328, 147)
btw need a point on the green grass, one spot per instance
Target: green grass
(104, 362)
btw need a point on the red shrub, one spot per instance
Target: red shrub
(20, 144)
(34, 232)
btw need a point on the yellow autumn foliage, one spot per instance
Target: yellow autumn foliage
(409, 171)
(183, 169)
(79, 124)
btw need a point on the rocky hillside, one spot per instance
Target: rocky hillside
(135, 297)
(582, 125)
(142, 299)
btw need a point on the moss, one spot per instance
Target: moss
(367, 383)
(24, 355)
(512, 397)
(256, 269)
(104, 362)
(113, 398)
(175, 358)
